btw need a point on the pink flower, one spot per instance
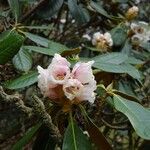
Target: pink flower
(83, 72)
(73, 89)
(44, 83)
(56, 81)
(59, 60)
(81, 75)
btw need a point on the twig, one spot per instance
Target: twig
(114, 127)
(40, 111)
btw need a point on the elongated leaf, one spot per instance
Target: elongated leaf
(22, 81)
(97, 137)
(74, 139)
(77, 12)
(134, 61)
(122, 68)
(137, 114)
(126, 96)
(10, 43)
(51, 45)
(37, 39)
(42, 50)
(94, 132)
(14, 5)
(27, 137)
(96, 6)
(23, 60)
(113, 58)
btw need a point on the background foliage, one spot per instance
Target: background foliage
(32, 32)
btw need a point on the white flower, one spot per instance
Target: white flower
(102, 41)
(141, 32)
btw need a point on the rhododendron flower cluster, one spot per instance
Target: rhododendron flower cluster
(102, 41)
(58, 80)
(141, 32)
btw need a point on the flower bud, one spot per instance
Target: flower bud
(132, 13)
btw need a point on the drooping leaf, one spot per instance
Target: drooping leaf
(27, 137)
(136, 113)
(74, 139)
(52, 47)
(42, 50)
(43, 27)
(77, 12)
(96, 136)
(113, 58)
(119, 35)
(115, 68)
(22, 81)
(134, 61)
(97, 6)
(37, 39)
(50, 8)
(126, 96)
(10, 43)
(14, 5)
(23, 60)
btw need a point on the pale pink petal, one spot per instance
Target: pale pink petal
(72, 88)
(59, 74)
(83, 72)
(59, 60)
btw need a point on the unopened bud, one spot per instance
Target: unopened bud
(132, 13)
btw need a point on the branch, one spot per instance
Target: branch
(16, 101)
(40, 111)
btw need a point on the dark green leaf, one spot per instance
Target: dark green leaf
(14, 5)
(26, 138)
(10, 43)
(122, 68)
(50, 8)
(97, 6)
(74, 139)
(22, 81)
(126, 96)
(77, 12)
(119, 35)
(97, 137)
(137, 114)
(42, 50)
(23, 60)
(37, 39)
(113, 58)
(127, 47)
